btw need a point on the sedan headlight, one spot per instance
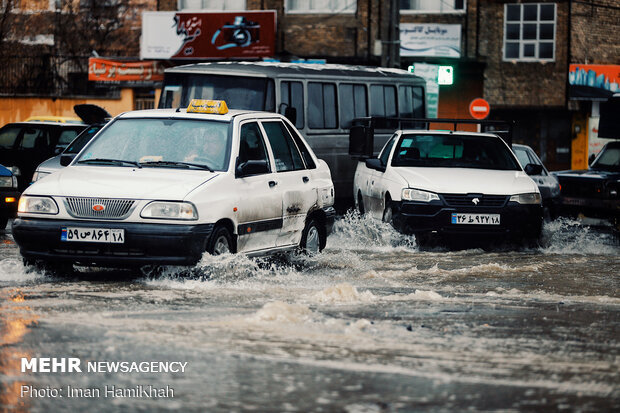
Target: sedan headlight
(14, 170)
(410, 194)
(38, 175)
(37, 205)
(8, 181)
(531, 198)
(169, 210)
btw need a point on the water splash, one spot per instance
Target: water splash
(569, 236)
(13, 270)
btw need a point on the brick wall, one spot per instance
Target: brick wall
(595, 33)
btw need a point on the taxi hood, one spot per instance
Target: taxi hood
(119, 182)
(467, 180)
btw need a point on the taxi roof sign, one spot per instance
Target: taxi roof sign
(207, 106)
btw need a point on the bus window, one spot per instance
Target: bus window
(239, 92)
(383, 104)
(171, 96)
(292, 94)
(353, 103)
(411, 105)
(322, 106)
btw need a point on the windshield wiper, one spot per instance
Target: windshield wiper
(177, 164)
(110, 161)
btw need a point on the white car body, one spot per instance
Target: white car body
(266, 212)
(375, 190)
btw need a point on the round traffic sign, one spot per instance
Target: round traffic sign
(479, 108)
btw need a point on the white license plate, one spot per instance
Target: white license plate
(475, 219)
(105, 235)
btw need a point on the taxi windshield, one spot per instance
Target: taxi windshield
(454, 151)
(168, 143)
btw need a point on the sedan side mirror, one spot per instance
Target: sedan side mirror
(65, 160)
(375, 163)
(533, 169)
(251, 167)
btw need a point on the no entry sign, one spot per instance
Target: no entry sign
(479, 108)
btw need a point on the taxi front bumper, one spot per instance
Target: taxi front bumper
(144, 244)
(516, 220)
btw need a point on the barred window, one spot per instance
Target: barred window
(432, 6)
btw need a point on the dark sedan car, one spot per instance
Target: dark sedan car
(8, 196)
(594, 192)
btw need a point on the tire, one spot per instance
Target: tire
(50, 268)
(312, 238)
(221, 241)
(360, 203)
(388, 212)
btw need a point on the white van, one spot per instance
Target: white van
(163, 186)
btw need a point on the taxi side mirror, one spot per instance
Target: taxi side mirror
(65, 160)
(251, 167)
(375, 163)
(533, 169)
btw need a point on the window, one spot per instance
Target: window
(353, 103)
(251, 145)
(432, 6)
(321, 6)
(383, 104)
(37, 139)
(8, 136)
(385, 153)
(411, 102)
(211, 4)
(67, 136)
(529, 31)
(305, 152)
(285, 152)
(292, 95)
(322, 106)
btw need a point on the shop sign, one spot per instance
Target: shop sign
(213, 35)
(107, 70)
(593, 82)
(440, 40)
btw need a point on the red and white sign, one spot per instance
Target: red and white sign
(479, 108)
(108, 70)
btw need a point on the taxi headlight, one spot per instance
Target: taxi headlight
(410, 194)
(38, 175)
(8, 181)
(527, 199)
(37, 205)
(169, 210)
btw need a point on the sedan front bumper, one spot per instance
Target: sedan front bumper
(144, 244)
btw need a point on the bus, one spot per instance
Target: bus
(321, 100)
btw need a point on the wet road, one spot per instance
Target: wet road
(371, 325)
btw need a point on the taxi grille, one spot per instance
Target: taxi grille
(457, 200)
(110, 208)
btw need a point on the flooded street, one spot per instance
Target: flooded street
(372, 324)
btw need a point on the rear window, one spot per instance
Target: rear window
(454, 151)
(8, 136)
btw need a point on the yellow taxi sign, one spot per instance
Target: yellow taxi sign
(207, 106)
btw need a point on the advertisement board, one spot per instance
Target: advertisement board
(593, 82)
(213, 35)
(107, 70)
(441, 40)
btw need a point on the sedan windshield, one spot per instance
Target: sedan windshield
(454, 151)
(608, 160)
(161, 143)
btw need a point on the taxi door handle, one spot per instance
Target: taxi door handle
(305, 179)
(272, 184)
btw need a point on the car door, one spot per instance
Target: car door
(259, 215)
(378, 183)
(299, 192)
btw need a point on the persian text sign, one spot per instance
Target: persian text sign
(417, 39)
(106, 70)
(190, 35)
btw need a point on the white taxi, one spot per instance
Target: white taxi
(445, 184)
(163, 186)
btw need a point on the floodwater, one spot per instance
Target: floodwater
(370, 325)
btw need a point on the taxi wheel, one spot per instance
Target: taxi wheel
(220, 242)
(360, 203)
(312, 241)
(388, 213)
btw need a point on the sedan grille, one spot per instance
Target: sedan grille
(457, 200)
(102, 208)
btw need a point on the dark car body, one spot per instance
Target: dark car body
(9, 195)
(593, 192)
(547, 183)
(24, 145)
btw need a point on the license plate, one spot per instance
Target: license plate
(104, 235)
(475, 219)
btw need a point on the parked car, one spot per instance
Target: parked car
(8, 196)
(453, 185)
(548, 184)
(164, 186)
(593, 192)
(24, 145)
(97, 118)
